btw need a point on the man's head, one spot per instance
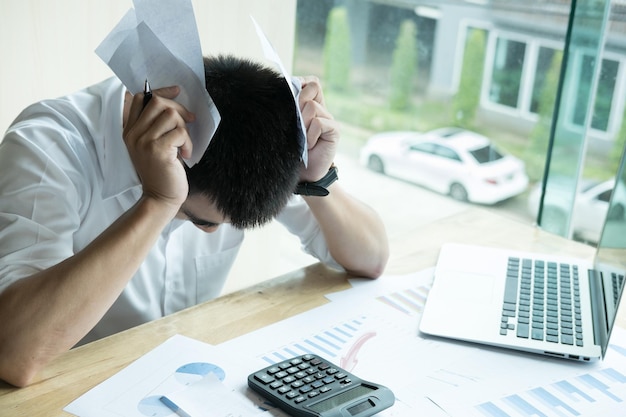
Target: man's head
(251, 166)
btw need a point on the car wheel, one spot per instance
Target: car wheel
(376, 164)
(458, 192)
(553, 220)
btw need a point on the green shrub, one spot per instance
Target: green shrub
(403, 66)
(540, 135)
(337, 47)
(467, 99)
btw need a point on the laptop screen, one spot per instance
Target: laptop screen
(610, 262)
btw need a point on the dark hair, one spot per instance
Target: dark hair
(251, 167)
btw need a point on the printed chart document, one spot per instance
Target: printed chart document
(370, 330)
(178, 363)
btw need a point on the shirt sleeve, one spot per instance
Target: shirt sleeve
(299, 220)
(39, 205)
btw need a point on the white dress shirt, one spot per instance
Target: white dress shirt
(65, 176)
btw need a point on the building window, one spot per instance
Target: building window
(506, 79)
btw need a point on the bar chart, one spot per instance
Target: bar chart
(585, 394)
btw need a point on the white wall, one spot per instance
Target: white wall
(47, 50)
(47, 46)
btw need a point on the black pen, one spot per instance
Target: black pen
(147, 93)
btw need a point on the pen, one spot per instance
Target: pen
(147, 93)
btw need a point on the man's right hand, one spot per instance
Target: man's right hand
(156, 137)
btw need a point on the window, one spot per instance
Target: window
(486, 154)
(506, 77)
(447, 153)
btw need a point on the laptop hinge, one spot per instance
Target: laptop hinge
(598, 309)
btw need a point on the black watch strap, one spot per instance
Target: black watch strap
(320, 187)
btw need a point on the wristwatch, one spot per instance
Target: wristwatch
(318, 188)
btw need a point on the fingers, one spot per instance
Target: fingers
(311, 91)
(321, 128)
(161, 98)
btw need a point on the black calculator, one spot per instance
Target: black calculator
(310, 386)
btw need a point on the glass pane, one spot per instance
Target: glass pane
(491, 69)
(507, 72)
(585, 74)
(568, 141)
(604, 97)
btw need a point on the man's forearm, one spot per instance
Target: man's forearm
(354, 233)
(46, 314)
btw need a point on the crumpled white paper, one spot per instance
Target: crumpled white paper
(158, 41)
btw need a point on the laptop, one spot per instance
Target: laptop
(551, 305)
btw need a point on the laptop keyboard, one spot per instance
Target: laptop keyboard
(542, 302)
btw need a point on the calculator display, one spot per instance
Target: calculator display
(310, 386)
(342, 398)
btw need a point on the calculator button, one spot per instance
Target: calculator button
(299, 399)
(273, 370)
(305, 389)
(313, 394)
(284, 390)
(289, 379)
(264, 378)
(307, 357)
(291, 395)
(281, 375)
(340, 375)
(297, 384)
(325, 389)
(295, 362)
(324, 366)
(300, 375)
(276, 384)
(292, 370)
(317, 384)
(332, 371)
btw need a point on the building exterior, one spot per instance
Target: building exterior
(522, 39)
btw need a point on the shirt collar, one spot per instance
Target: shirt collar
(118, 172)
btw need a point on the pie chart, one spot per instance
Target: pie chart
(195, 371)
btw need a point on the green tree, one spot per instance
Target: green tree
(540, 134)
(618, 145)
(467, 99)
(337, 49)
(403, 66)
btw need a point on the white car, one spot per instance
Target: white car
(591, 206)
(452, 161)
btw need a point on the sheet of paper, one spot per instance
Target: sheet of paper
(151, 42)
(294, 84)
(179, 362)
(372, 331)
(209, 397)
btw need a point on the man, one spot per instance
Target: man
(102, 227)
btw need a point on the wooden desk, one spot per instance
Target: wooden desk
(232, 315)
